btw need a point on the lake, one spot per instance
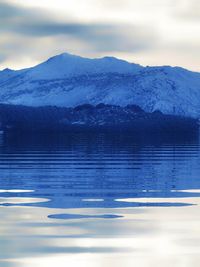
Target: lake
(99, 200)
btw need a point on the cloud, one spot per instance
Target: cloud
(2, 57)
(103, 37)
(189, 10)
(148, 32)
(26, 30)
(8, 11)
(35, 22)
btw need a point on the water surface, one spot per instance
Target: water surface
(99, 200)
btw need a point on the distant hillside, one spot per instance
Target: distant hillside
(108, 117)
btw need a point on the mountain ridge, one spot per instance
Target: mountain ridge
(67, 80)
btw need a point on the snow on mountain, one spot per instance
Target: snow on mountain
(68, 80)
(67, 65)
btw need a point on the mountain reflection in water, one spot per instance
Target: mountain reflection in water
(99, 199)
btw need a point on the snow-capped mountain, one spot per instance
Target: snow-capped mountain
(68, 81)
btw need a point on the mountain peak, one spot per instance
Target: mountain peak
(110, 58)
(7, 70)
(67, 65)
(62, 56)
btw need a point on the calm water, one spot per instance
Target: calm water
(99, 200)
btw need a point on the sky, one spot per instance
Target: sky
(148, 32)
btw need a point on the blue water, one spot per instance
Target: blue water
(82, 199)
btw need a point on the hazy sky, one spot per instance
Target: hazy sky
(149, 32)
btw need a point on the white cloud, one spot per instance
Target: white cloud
(147, 31)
